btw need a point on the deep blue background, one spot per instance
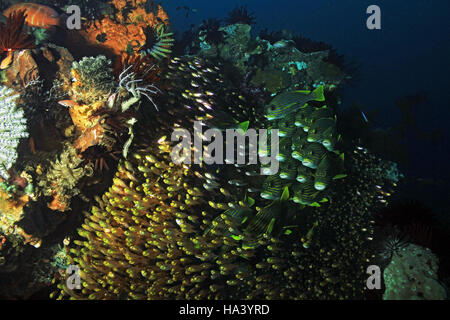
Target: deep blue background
(410, 54)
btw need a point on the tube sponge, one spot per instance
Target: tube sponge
(12, 128)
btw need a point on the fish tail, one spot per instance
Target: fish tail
(318, 94)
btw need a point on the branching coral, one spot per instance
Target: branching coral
(12, 128)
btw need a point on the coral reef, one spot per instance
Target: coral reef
(129, 30)
(150, 236)
(167, 231)
(271, 79)
(273, 66)
(97, 184)
(24, 270)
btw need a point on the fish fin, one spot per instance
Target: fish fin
(314, 204)
(244, 126)
(318, 94)
(324, 200)
(285, 194)
(270, 226)
(303, 91)
(339, 176)
(235, 237)
(250, 201)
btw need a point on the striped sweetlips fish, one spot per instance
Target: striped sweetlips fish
(290, 102)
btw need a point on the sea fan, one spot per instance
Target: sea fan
(12, 128)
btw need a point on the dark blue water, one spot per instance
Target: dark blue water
(409, 55)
